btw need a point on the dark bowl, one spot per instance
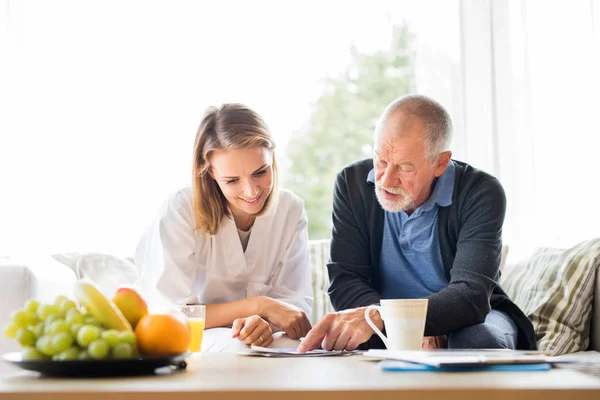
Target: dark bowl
(99, 368)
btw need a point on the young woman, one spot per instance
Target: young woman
(234, 240)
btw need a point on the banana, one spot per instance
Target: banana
(101, 308)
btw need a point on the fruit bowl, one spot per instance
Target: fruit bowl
(99, 368)
(97, 336)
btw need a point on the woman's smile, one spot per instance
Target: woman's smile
(254, 201)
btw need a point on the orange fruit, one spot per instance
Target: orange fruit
(162, 334)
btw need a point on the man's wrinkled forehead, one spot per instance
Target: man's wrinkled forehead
(396, 124)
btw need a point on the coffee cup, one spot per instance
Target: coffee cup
(404, 321)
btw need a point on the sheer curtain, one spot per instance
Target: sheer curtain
(532, 82)
(99, 102)
(100, 99)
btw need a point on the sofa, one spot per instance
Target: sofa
(523, 282)
(24, 278)
(44, 278)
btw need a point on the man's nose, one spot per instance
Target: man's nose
(389, 178)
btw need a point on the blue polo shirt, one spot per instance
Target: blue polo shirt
(411, 265)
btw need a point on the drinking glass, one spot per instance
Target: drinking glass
(196, 315)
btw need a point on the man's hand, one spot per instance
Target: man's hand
(434, 342)
(253, 331)
(342, 330)
(291, 319)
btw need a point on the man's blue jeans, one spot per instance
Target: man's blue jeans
(498, 331)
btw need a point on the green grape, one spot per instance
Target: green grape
(111, 336)
(62, 341)
(38, 329)
(87, 334)
(122, 350)
(58, 326)
(34, 321)
(98, 349)
(26, 337)
(83, 355)
(72, 353)
(21, 318)
(127, 337)
(46, 310)
(75, 329)
(10, 330)
(51, 318)
(32, 306)
(89, 320)
(74, 317)
(44, 345)
(31, 353)
(59, 300)
(66, 306)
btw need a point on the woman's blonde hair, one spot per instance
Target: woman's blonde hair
(231, 126)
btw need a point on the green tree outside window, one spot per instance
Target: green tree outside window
(340, 130)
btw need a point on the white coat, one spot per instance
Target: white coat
(186, 266)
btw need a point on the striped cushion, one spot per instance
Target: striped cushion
(554, 288)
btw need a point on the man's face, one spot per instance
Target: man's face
(403, 176)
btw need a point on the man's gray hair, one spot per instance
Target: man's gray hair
(437, 121)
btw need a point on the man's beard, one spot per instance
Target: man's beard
(394, 206)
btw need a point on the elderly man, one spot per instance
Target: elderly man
(413, 223)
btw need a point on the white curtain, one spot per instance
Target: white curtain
(100, 99)
(99, 102)
(531, 71)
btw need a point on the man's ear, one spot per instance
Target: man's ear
(442, 162)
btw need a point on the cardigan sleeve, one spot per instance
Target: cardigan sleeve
(479, 213)
(350, 264)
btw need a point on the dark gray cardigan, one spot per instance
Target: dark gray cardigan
(470, 234)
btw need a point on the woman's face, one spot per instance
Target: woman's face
(245, 177)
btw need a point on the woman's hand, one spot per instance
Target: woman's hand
(253, 331)
(291, 319)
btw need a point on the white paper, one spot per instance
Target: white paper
(439, 358)
(274, 352)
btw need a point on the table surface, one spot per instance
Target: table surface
(228, 376)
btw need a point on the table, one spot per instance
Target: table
(230, 377)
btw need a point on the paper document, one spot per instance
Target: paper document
(269, 352)
(590, 357)
(443, 358)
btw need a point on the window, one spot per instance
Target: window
(101, 100)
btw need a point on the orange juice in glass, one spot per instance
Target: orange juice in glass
(196, 315)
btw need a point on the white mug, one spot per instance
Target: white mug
(404, 321)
